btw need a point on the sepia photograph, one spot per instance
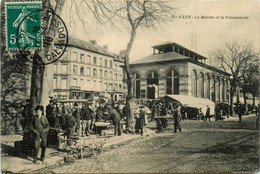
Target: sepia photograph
(130, 86)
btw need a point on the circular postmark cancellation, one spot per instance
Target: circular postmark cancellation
(47, 35)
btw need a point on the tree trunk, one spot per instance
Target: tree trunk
(245, 102)
(36, 81)
(231, 102)
(37, 77)
(129, 99)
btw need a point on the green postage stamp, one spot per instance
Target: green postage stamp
(23, 25)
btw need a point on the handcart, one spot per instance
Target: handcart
(77, 146)
(162, 122)
(104, 129)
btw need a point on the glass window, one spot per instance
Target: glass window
(74, 69)
(111, 64)
(82, 70)
(75, 56)
(74, 82)
(136, 85)
(89, 71)
(100, 85)
(115, 76)
(172, 82)
(194, 83)
(64, 83)
(100, 62)
(105, 62)
(106, 75)
(94, 72)
(89, 59)
(64, 68)
(115, 86)
(95, 61)
(100, 73)
(55, 83)
(81, 57)
(120, 86)
(111, 75)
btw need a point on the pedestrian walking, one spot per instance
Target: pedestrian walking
(240, 112)
(176, 118)
(86, 116)
(39, 126)
(207, 113)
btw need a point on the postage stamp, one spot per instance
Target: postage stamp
(20, 23)
(32, 30)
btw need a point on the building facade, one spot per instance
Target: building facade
(86, 69)
(174, 69)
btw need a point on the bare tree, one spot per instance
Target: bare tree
(232, 57)
(250, 81)
(131, 15)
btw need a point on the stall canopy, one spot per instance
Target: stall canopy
(190, 101)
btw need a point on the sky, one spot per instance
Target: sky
(200, 35)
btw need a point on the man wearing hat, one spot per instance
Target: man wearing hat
(207, 113)
(86, 116)
(115, 117)
(176, 117)
(76, 115)
(39, 126)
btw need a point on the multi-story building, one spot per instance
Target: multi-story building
(174, 69)
(85, 69)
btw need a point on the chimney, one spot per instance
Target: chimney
(94, 42)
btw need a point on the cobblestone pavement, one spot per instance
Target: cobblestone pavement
(194, 150)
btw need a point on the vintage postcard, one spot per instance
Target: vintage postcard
(130, 86)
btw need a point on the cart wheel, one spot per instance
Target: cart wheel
(97, 150)
(77, 153)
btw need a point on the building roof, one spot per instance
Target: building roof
(160, 58)
(89, 47)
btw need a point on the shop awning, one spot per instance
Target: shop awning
(190, 101)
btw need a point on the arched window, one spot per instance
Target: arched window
(152, 85)
(207, 86)
(201, 85)
(136, 85)
(194, 83)
(172, 82)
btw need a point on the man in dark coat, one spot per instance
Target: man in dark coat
(207, 113)
(86, 116)
(76, 115)
(115, 117)
(39, 126)
(140, 120)
(52, 113)
(68, 123)
(99, 113)
(176, 118)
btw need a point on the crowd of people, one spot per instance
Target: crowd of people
(76, 121)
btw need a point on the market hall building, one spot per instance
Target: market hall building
(175, 70)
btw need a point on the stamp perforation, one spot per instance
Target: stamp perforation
(5, 23)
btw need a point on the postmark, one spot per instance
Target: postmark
(41, 32)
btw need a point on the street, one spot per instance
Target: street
(223, 146)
